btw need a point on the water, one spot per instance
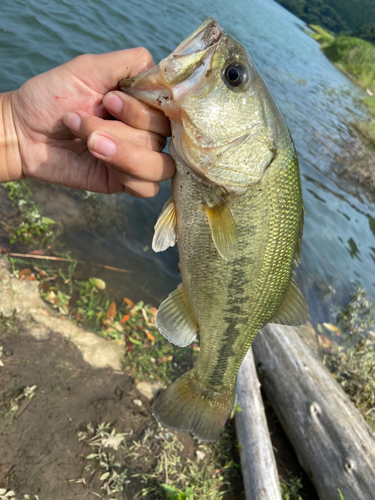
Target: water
(319, 104)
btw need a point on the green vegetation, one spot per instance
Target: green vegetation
(291, 489)
(339, 16)
(353, 362)
(34, 228)
(355, 58)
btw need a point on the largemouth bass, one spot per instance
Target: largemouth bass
(236, 213)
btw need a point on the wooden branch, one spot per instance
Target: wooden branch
(258, 462)
(332, 441)
(63, 259)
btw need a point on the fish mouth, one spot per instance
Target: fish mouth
(164, 85)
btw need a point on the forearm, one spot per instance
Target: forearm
(10, 164)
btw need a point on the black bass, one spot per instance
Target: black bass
(236, 213)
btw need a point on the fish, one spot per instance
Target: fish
(236, 213)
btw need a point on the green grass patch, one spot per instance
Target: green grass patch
(355, 57)
(34, 229)
(321, 35)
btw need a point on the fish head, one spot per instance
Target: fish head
(225, 122)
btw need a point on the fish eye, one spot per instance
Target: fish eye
(235, 74)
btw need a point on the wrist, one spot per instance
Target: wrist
(10, 161)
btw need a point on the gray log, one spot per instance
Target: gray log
(332, 441)
(258, 462)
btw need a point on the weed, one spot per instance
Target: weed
(34, 229)
(292, 488)
(117, 457)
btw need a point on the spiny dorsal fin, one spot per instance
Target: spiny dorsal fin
(165, 235)
(223, 230)
(294, 310)
(175, 319)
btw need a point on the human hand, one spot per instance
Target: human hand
(59, 128)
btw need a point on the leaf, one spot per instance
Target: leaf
(125, 318)
(332, 328)
(153, 311)
(98, 283)
(111, 311)
(104, 476)
(128, 302)
(37, 252)
(325, 343)
(150, 336)
(173, 493)
(341, 495)
(24, 272)
(133, 341)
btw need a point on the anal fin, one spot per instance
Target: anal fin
(223, 230)
(165, 235)
(294, 310)
(175, 319)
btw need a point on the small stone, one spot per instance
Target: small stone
(200, 455)
(149, 391)
(137, 402)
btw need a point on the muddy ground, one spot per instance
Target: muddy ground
(58, 384)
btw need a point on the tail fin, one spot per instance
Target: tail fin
(189, 405)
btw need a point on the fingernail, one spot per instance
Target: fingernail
(113, 103)
(73, 122)
(102, 145)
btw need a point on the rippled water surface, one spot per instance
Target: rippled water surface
(318, 102)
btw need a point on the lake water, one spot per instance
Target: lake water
(319, 104)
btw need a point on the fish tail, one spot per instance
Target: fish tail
(190, 405)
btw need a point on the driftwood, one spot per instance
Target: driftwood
(258, 463)
(332, 441)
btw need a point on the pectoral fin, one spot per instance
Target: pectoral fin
(175, 319)
(165, 235)
(294, 310)
(223, 230)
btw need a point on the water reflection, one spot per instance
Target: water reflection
(319, 103)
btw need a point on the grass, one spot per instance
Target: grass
(116, 459)
(355, 58)
(321, 35)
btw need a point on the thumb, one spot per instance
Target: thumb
(106, 70)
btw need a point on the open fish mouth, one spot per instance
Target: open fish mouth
(178, 74)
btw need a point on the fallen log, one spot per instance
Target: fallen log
(333, 443)
(258, 462)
